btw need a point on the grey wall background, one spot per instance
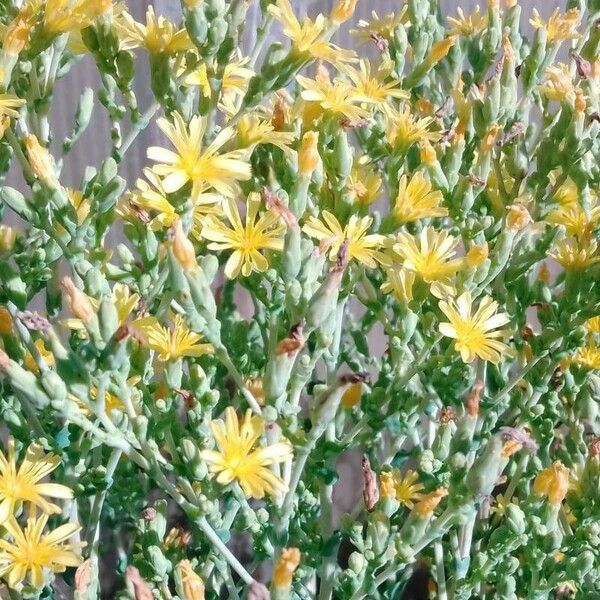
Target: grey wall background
(94, 145)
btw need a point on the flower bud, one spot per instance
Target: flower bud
(8, 235)
(553, 483)
(387, 489)
(427, 152)
(5, 321)
(190, 585)
(517, 218)
(183, 249)
(477, 255)
(352, 395)
(41, 161)
(284, 569)
(79, 304)
(425, 507)
(440, 49)
(308, 155)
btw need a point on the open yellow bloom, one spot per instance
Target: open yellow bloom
(22, 484)
(576, 220)
(408, 487)
(476, 334)
(62, 16)
(576, 255)
(9, 105)
(404, 129)
(593, 324)
(559, 84)
(309, 38)
(416, 199)
(364, 183)
(32, 552)
(203, 166)
(158, 35)
(467, 24)
(335, 96)
(253, 131)
(559, 27)
(246, 240)
(237, 459)
(173, 342)
(380, 27)
(430, 256)
(588, 356)
(332, 235)
(374, 87)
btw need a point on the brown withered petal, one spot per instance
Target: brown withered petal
(521, 436)
(594, 448)
(473, 399)
(149, 513)
(370, 489)
(584, 67)
(274, 202)
(360, 377)
(141, 589)
(380, 42)
(447, 414)
(294, 342)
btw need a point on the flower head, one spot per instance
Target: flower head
(192, 162)
(400, 283)
(576, 220)
(62, 16)
(476, 334)
(237, 459)
(364, 183)
(417, 200)
(559, 27)
(171, 342)
(430, 256)
(467, 24)
(22, 483)
(380, 27)
(408, 488)
(361, 246)
(374, 87)
(309, 38)
(32, 552)
(158, 35)
(253, 131)
(9, 105)
(336, 97)
(248, 239)
(576, 254)
(405, 129)
(553, 483)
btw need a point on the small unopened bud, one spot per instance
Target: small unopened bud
(284, 569)
(427, 152)
(83, 577)
(425, 507)
(440, 49)
(291, 344)
(580, 103)
(370, 491)
(79, 304)
(343, 10)
(387, 489)
(278, 120)
(183, 249)
(40, 160)
(149, 514)
(553, 483)
(308, 155)
(191, 583)
(489, 140)
(5, 321)
(141, 589)
(517, 217)
(351, 396)
(472, 403)
(477, 255)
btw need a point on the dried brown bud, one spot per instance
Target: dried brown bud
(594, 449)
(293, 343)
(473, 399)
(584, 67)
(273, 202)
(447, 415)
(370, 491)
(380, 43)
(83, 577)
(149, 513)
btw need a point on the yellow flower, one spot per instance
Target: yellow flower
(593, 324)
(246, 240)
(236, 76)
(352, 395)
(172, 342)
(80, 203)
(5, 321)
(416, 199)
(332, 235)
(501, 504)
(440, 49)
(559, 27)
(400, 283)
(477, 255)
(22, 484)
(425, 507)
(237, 459)
(284, 568)
(47, 356)
(336, 97)
(468, 24)
(41, 161)
(204, 167)
(253, 131)
(375, 88)
(576, 220)
(62, 16)
(382, 27)
(386, 485)
(364, 183)
(404, 129)
(588, 356)
(576, 255)
(158, 35)
(309, 38)
(475, 334)
(567, 193)
(517, 217)
(9, 105)
(31, 552)
(430, 257)
(553, 483)
(558, 85)
(408, 488)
